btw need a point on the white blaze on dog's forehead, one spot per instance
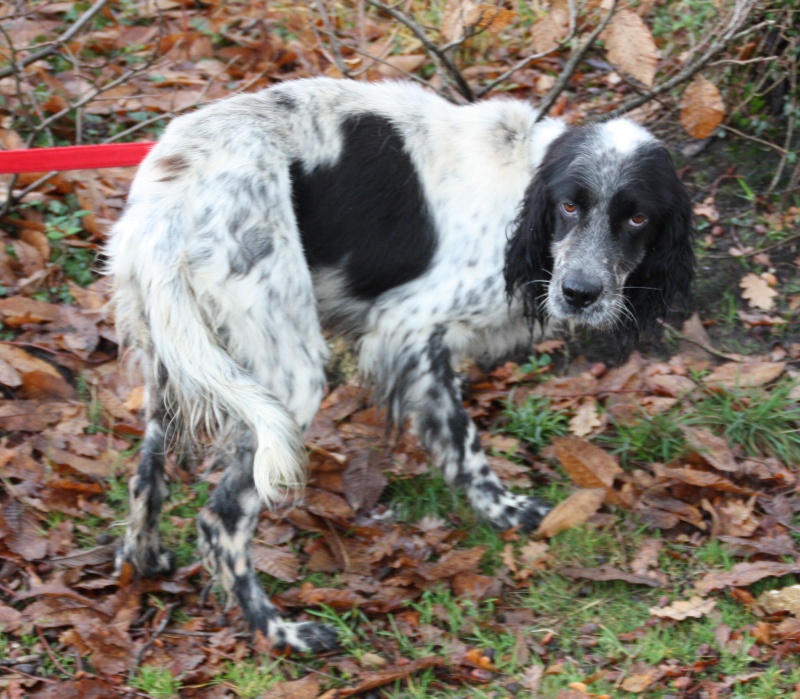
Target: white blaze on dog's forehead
(624, 135)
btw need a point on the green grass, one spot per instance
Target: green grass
(426, 495)
(536, 422)
(158, 682)
(249, 679)
(761, 422)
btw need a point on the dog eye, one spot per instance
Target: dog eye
(638, 220)
(569, 208)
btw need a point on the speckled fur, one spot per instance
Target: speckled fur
(214, 295)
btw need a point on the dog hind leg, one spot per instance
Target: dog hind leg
(226, 529)
(141, 546)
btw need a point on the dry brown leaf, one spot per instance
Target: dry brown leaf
(464, 15)
(474, 586)
(381, 678)
(78, 333)
(695, 607)
(630, 46)
(638, 682)
(277, 562)
(736, 517)
(23, 532)
(697, 338)
(700, 479)
(400, 65)
(304, 688)
(572, 512)
(327, 504)
(534, 553)
(757, 291)
(787, 599)
(702, 108)
(605, 573)
(455, 561)
(109, 648)
(745, 375)
(364, 480)
(646, 558)
(715, 450)
(9, 376)
(744, 574)
(89, 467)
(20, 310)
(588, 465)
(532, 678)
(586, 418)
(547, 34)
(707, 209)
(672, 385)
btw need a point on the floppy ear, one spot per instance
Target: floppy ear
(666, 273)
(529, 264)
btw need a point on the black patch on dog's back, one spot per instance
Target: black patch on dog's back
(367, 213)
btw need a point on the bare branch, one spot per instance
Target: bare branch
(739, 15)
(443, 60)
(486, 89)
(55, 45)
(571, 65)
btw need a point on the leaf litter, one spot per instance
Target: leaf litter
(69, 444)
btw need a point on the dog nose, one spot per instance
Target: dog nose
(581, 292)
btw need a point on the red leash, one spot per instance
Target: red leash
(73, 157)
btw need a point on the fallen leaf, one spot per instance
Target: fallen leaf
(701, 479)
(588, 465)
(532, 678)
(787, 599)
(744, 574)
(327, 504)
(715, 450)
(707, 210)
(605, 573)
(630, 46)
(305, 688)
(390, 675)
(694, 607)
(586, 418)
(277, 562)
(20, 310)
(364, 480)
(757, 291)
(642, 679)
(455, 561)
(572, 512)
(702, 108)
(745, 374)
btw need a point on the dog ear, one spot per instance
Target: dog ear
(529, 263)
(667, 270)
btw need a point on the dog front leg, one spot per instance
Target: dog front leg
(428, 393)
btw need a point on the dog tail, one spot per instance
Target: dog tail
(201, 385)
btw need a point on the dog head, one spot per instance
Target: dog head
(604, 233)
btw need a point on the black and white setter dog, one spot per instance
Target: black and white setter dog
(422, 230)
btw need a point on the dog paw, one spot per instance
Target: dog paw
(524, 512)
(317, 638)
(531, 514)
(303, 637)
(146, 561)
